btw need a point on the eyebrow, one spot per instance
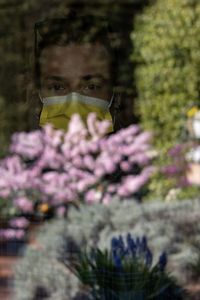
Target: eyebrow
(55, 77)
(85, 77)
(90, 76)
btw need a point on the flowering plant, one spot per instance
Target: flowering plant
(192, 111)
(48, 169)
(126, 272)
(176, 169)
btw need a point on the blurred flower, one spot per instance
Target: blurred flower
(10, 234)
(171, 170)
(20, 222)
(192, 112)
(60, 211)
(43, 208)
(163, 261)
(24, 204)
(29, 145)
(133, 249)
(51, 167)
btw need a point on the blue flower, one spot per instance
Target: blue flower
(114, 243)
(162, 261)
(131, 244)
(148, 258)
(144, 244)
(117, 260)
(93, 255)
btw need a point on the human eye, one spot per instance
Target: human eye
(56, 87)
(93, 86)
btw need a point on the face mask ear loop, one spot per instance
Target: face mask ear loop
(116, 107)
(112, 100)
(110, 105)
(40, 97)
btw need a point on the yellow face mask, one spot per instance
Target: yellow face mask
(58, 110)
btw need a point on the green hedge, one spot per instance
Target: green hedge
(166, 40)
(166, 53)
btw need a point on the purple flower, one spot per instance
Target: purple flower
(28, 145)
(125, 166)
(176, 150)
(19, 223)
(10, 234)
(55, 167)
(23, 204)
(170, 170)
(93, 196)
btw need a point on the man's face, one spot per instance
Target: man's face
(82, 68)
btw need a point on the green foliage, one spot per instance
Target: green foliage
(195, 268)
(166, 43)
(166, 39)
(171, 226)
(39, 274)
(134, 279)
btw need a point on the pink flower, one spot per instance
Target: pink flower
(88, 162)
(52, 137)
(143, 138)
(91, 122)
(84, 147)
(103, 127)
(93, 196)
(76, 129)
(77, 161)
(60, 211)
(125, 166)
(68, 165)
(19, 222)
(24, 204)
(112, 188)
(10, 234)
(29, 145)
(107, 199)
(139, 158)
(99, 171)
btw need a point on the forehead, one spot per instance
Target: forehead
(74, 60)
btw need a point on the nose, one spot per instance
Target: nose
(75, 86)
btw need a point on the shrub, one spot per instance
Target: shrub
(166, 43)
(166, 39)
(126, 271)
(170, 226)
(50, 169)
(39, 276)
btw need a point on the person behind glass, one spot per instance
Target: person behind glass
(73, 72)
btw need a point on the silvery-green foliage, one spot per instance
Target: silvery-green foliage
(173, 227)
(55, 240)
(58, 239)
(37, 273)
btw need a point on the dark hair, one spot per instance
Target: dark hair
(71, 29)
